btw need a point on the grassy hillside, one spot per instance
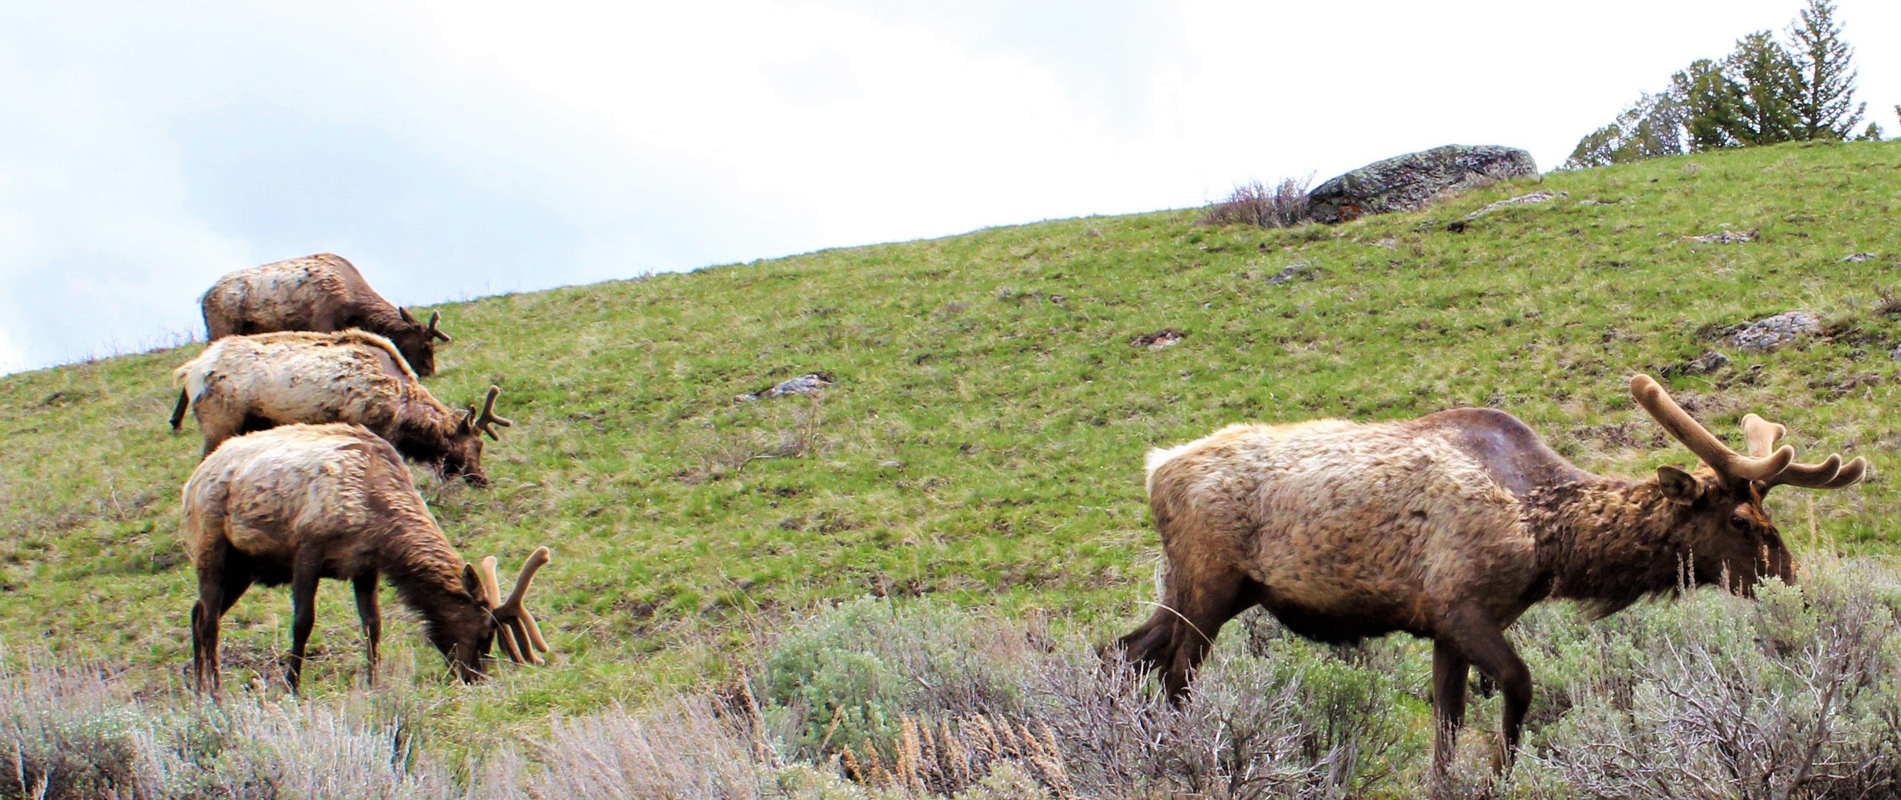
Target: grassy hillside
(983, 440)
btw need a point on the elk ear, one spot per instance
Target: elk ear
(404, 313)
(1678, 486)
(471, 582)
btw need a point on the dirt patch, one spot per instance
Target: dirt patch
(1841, 384)
(1167, 337)
(1701, 365)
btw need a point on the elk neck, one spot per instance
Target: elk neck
(411, 552)
(1608, 542)
(422, 428)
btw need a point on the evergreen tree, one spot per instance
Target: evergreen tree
(1826, 107)
(1761, 93)
(1650, 128)
(1758, 106)
(1711, 102)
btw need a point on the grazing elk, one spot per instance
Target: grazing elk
(303, 502)
(320, 293)
(1448, 527)
(249, 383)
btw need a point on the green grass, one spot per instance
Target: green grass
(984, 441)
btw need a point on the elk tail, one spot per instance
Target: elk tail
(190, 381)
(178, 411)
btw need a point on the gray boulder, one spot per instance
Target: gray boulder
(812, 385)
(1409, 182)
(1770, 333)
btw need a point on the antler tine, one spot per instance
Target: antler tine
(435, 317)
(518, 630)
(534, 631)
(1761, 434)
(487, 419)
(536, 561)
(1700, 441)
(506, 635)
(520, 635)
(485, 571)
(1809, 474)
(1851, 473)
(1829, 473)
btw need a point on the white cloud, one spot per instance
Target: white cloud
(93, 229)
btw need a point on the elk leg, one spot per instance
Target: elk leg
(1143, 646)
(1482, 642)
(1184, 628)
(1449, 673)
(372, 617)
(303, 600)
(204, 641)
(204, 619)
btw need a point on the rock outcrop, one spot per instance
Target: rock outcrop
(1409, 182)
(1770, 333)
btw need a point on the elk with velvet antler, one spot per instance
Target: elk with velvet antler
(1448, 527)
(250, 383)
(302, 502)
(320, 293)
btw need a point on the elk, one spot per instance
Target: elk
(302, 502)
(249, 383)
(320, 293)
(1448, 527)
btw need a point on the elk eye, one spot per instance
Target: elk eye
(1739, 522)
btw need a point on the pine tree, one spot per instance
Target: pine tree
(1826, 108)
(1711, 102)
(1765, 85)
(1761, 93)
(1651, 127)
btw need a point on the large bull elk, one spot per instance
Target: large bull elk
(320, 293)
(1449, 527)
(250, 383)
(302, 502)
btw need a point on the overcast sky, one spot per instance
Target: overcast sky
(460, 149)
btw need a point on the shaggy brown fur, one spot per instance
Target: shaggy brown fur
(1448, 527)
(321, 293)
(249, 383)
(303, 502)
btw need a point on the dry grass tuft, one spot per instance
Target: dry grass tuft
(1283, 206)
(952, 757)
(718, 455)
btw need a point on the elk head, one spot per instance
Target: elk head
(418, 341)
(1725, 530)
(463, 453)
(471, 639)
